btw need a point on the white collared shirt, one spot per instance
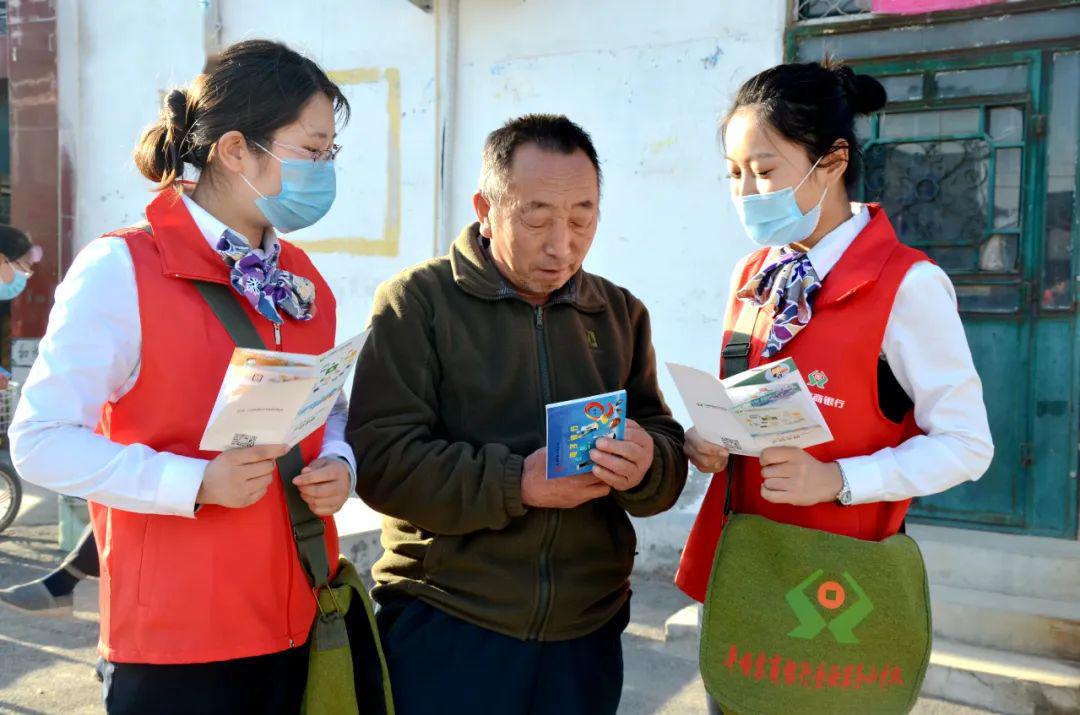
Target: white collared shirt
(927, 350)
(90, 355)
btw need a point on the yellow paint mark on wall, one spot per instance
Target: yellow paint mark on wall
(389, 243)
(662, 145)
(359, 75)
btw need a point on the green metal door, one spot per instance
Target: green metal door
(959, 160)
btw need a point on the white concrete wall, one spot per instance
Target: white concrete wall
(116, 65)
(113, 67)
(648, 80)
(374, 43)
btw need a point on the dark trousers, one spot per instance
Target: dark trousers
(442, 665)
(264, 684)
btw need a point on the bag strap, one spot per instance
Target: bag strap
(308, 529)
(735, 358)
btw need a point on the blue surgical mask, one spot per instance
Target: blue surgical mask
(307, 192)
(775, 219)
(9, 291)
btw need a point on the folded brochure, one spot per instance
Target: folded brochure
(574, 426)
(270, 397)
(766, 406)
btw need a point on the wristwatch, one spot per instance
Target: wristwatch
(844, 497)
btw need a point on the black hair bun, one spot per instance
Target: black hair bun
(178, 113)
(864, 93)
(869, 95)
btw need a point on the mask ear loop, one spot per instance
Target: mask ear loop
(823, 193)
(796, 187)
(252, 186)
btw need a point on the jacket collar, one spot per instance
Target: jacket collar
(476, 274)
(863, 261)
(184, 250)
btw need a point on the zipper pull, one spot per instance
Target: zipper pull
(539, 317)
(277, 335)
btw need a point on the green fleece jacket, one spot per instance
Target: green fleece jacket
(447, 402)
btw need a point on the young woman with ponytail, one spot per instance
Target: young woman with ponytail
(204, 604)
(871, 323)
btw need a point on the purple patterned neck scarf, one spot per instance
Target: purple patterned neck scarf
(787, 286)
(255, 275)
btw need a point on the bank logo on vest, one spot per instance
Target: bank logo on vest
(830, 596)
(819, 379)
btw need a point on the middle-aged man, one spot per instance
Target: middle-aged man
(503, 591)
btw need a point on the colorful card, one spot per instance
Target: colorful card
(574, 426)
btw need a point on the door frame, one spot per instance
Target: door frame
(1032, 251)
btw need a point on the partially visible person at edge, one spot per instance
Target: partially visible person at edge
(502, 591)
(832, 288)
(17, 258)
(204, 604)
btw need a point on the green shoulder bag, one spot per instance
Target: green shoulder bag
(347, 672)
(800, 621)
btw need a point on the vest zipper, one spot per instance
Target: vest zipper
(277, 335)
(552, 517)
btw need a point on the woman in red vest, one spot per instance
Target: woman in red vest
(204, 603)
(872, 324)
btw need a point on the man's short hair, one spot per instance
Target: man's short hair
(550, 132)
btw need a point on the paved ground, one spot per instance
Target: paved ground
(46, 665)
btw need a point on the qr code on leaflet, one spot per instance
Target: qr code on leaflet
(730, 443)
(243, 440)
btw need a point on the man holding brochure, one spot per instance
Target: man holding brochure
(504, 588)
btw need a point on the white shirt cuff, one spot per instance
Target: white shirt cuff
(179, 486)
(864, 478)
(341, 450)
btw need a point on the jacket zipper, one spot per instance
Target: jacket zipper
(552, 517)
(288, 529)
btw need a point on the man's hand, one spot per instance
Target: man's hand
(705, 455)
(238, 478)
(562, 493)
(794, 477)
(622, 464)
(324, 485)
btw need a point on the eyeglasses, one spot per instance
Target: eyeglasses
(20, 267)
(325, 155)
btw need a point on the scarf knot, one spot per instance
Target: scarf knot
(787, 288)
(255, 275)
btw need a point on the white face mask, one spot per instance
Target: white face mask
(775, 219)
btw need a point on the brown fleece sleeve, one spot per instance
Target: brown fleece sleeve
(403, 468)
(664, 481)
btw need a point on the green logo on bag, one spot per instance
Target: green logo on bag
(831, 596)
(817, 379)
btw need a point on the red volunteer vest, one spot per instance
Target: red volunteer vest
(841, 347)
(228, 583)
